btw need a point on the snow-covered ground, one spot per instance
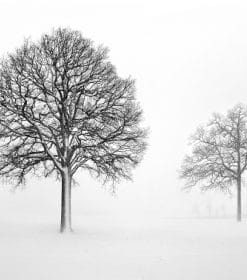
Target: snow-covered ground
(112, 249)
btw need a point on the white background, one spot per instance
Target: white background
(189, 59)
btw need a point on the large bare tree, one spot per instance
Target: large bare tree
(64, 108)
(219, 154)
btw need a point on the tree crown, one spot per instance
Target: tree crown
(64, 106)
(219, 151)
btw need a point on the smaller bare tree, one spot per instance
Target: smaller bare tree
(219, 154)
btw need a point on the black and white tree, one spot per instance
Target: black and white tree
(219, 153)
(63, 108)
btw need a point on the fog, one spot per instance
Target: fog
(189, 60)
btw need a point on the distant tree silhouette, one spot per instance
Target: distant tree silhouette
(219, 153)
(64, 108)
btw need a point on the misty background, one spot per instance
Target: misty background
(189, 59)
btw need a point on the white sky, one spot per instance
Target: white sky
(189, 59)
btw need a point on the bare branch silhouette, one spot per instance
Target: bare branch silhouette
(64, 108)
(219, 155)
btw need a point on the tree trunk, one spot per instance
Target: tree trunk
(239, 202)
(66, 201)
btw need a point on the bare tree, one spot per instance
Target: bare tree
(64, 108)
(219, 155)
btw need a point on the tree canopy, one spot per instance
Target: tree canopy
(64, 108)
(219, 152)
